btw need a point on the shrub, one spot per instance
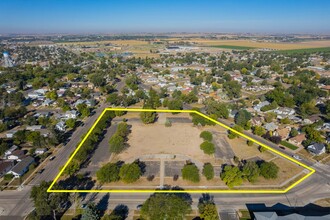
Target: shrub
(269, 170)
(208, 171)
(206, 135)
(190, 172)
(207, 147)
(130, 173)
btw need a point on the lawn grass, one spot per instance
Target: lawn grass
(305, 50)
(245, 214)
(233, 47)
(288, 145)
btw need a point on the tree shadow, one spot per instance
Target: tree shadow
(103, 204)
(121, 211)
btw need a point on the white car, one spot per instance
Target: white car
(296, 157)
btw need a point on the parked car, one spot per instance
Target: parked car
(283, 148)
(52, 158)
(296, 157)
(40, 171)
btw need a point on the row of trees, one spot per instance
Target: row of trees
(250, 171)
(89, 145)
(113, 172)
(118, 140)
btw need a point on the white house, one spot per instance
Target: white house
(71, 114)
(61, 126)
(10, 150)
(16, 155)
(40, 151)
(22, 167)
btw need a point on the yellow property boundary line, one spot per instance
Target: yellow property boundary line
(231, 191)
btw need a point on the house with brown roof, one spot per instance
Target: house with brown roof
(16, 155)
(297, 139)
(283, 132)
(5, 166)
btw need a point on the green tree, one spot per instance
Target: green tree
(90, 212)
(48, 204)
(233, 89)
(117, 143)
(148, 117)
(232, 135)
(175, 104)
(72, 168)
(232, 176)
(123, 129)
(108, 173)
(130, 173)
(208, 171)
(207, 147)
(269, 170)
(217, 108)
(293, 132)
(251, 171)
(208, 210)
(71, 123)
(190, 172)
(242, 117)
(165, 206)
(206, 135)
(259, 130)
(52, 95)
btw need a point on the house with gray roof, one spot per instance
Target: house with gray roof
(316, 148)
(271, 126)
(22, 167)
(274, 216)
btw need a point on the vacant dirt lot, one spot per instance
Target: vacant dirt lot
(158, 139)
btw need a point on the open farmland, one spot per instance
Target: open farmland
(270, 45)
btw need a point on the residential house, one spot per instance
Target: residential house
(34, 127)
(316, 148)
(40, 151)
(312, 119)
(5, 166)
(71, 114)
(294, 216)
(10, 134)
(256, 121)
(297, 140)
(22, 167)
(47, 102)
(283, 132)
(284, 112)
(16, 155)
(61, 126)
(260, 105)
(10, 150)
(232, 113)
(270, 126)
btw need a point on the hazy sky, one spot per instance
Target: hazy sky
(113, 16)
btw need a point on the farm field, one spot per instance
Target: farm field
(270, 45)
